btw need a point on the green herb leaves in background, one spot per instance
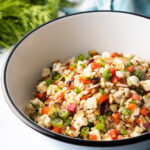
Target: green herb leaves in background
(18, 17)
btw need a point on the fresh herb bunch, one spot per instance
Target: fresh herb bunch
(17, 17)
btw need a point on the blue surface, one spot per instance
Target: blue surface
(135, 6)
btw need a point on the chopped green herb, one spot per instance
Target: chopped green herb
(67, 122)
(123, 132)
(85, 131)
(58, 88)
(139, 74)
(133, 101)
(77, 90)
(57, 76)
(109, 113)
(126, 111)
(89, 54)
(81, 57)
(83, 66)
(32, 116)
(107, 74)
(129, 64)
(49, 81)
(35, 106)
(102, 91)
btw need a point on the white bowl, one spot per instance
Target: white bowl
(66, 37)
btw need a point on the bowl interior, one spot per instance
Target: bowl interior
(67, 37)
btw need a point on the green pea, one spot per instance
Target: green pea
(123, 132)
(81, 57)
(64, 113)
(125, 111)
(57, 122)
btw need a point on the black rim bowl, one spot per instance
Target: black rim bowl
(51, 134)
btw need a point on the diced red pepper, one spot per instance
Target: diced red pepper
(71, 107)
(60, 97)
(143, 111)
(73, 128)
(135, 96)
(95, 66)
(116, 118)
(113, 71)
(114, 134)
(73, 77)
(115, 80)
(131, 106)
(115, 54)
(45, 110)
(130, 68)
(103, 98)
(56, 129)
(93, 137)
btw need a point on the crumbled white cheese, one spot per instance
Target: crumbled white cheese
(45, 72)
(91, 103)
(120, 74)
(57, 66)
(145, 84)
(42, 87)
(88, 71)
(51, 89)
(79, 122)
(120, 64)
(105, 55)
(97, 133)
(133, 80)
(44, 121)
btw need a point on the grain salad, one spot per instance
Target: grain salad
(100, 97)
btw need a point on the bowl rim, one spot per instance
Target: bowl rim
(49, 133)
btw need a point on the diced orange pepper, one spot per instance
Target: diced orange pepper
(85, 81)
(148, 94)
(143, 111)
(95, 66)
(131, 106)
(116, 118)
(73, 128)
(93, 52)
(115, 54)
(114, 134)
(45, 110)
(135, 96)
(85, 97)
(103, 98)
(56, 130)
(39, 95)
(130, 68)
(93, 137)
(71, 68)
(60, 97)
